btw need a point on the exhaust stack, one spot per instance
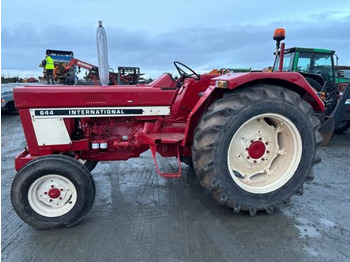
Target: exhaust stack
(102, 53)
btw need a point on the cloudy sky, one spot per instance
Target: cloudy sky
(152, 34)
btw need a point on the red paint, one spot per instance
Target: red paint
(280, 67)
(291, 80)
(256, 150)
(128, 137)
(54, 192)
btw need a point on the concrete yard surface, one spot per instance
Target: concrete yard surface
(139, 216)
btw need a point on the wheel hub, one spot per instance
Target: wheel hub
(54, 193)
(256, 149)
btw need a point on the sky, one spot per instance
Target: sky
(152, 34)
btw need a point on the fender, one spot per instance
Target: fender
(290, 80)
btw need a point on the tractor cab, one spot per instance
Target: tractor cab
(312, 63)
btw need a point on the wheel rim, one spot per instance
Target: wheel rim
(264, 153)
(52, 195)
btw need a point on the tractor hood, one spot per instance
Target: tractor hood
(87, 96)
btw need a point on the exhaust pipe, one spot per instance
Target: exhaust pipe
(102, 53)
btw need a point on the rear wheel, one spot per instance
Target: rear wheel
(53, 191)
(255, 148)
(187, 160)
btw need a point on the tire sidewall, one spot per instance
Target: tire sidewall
(231, 127)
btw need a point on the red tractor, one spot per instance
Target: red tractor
(251, 138)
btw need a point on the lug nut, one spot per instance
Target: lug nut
(61, 189)
(45, 193)
(52, 186)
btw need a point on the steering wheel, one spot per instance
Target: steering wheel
(181, 68)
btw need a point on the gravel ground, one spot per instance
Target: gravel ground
(139, 216)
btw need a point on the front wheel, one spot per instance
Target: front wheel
(53, 191)
(255, 148)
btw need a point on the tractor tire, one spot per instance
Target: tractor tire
(316, 85)
(187, 160)
(254, 148)
(53, 191)
(89, 164)
(10, 108)
(344, 125)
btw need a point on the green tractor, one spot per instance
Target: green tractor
(316, 65)
(320, 70)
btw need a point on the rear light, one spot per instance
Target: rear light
(3, 100)
(221, 84)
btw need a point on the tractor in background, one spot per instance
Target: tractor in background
(316, 65)
(67, 67)
(126, 75)
(319, 68)
(343, 73)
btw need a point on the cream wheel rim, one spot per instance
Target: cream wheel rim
(264, 153)
(52, 195)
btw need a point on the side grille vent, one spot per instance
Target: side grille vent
(94, 98)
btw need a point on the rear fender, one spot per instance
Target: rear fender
(290, 80)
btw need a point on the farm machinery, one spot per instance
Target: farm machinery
(66, 67)
(61, 59)
(125, 75)
(320, 69)
(251, 138)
